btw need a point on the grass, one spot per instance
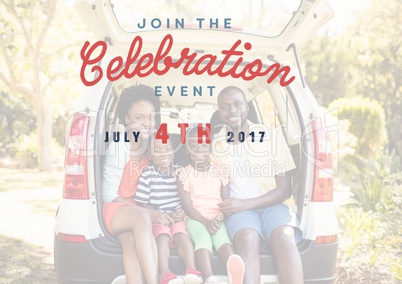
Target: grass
(23, 263)
(28, 201)
(11, 179)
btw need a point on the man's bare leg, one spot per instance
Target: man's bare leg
(287, 256)
(247, 245)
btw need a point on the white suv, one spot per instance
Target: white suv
(84, 250)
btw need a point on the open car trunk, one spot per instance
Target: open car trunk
(272, 105)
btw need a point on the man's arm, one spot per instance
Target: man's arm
(279, 194)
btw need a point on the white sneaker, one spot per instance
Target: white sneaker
(236, 269)
(192, 279)
(192, 276)
(120, 280)
(212, 280)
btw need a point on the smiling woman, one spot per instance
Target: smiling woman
(131, 224)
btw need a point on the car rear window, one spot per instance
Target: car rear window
(279, 112)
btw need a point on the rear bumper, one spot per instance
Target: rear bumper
(83, 263)
(86, 263)
(319, 262)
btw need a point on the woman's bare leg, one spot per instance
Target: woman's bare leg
(162, 242)
(137, 220)
(132, 266)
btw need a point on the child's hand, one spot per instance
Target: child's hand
(219, 217)
(213, 226)
(178, 215)
(161, 218)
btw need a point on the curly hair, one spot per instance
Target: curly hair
(133, 94)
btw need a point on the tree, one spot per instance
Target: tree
(38, 55)
(327, 62)
(24, 30)
(378, 46)
(366, 117)
(363, 61)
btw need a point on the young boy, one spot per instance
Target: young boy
(157, 190)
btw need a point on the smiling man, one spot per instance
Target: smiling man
(255, 212)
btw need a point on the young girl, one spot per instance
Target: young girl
(157, 191)
(201, 187)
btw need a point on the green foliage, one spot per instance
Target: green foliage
(366, 118)
(26, 149)
(396, 269)
(16, 119)
(38, 72)
(373, 232)
(363, 228)
(364, 61)
(377, 45)
(369, 195)
(384, 166)
(393, 184)
(324, 64)
(374, 192)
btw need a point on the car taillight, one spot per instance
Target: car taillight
(76, 179)
(323, 186)
(322, 240)
(71, 238)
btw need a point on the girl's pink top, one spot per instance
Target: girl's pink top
(204, 188)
